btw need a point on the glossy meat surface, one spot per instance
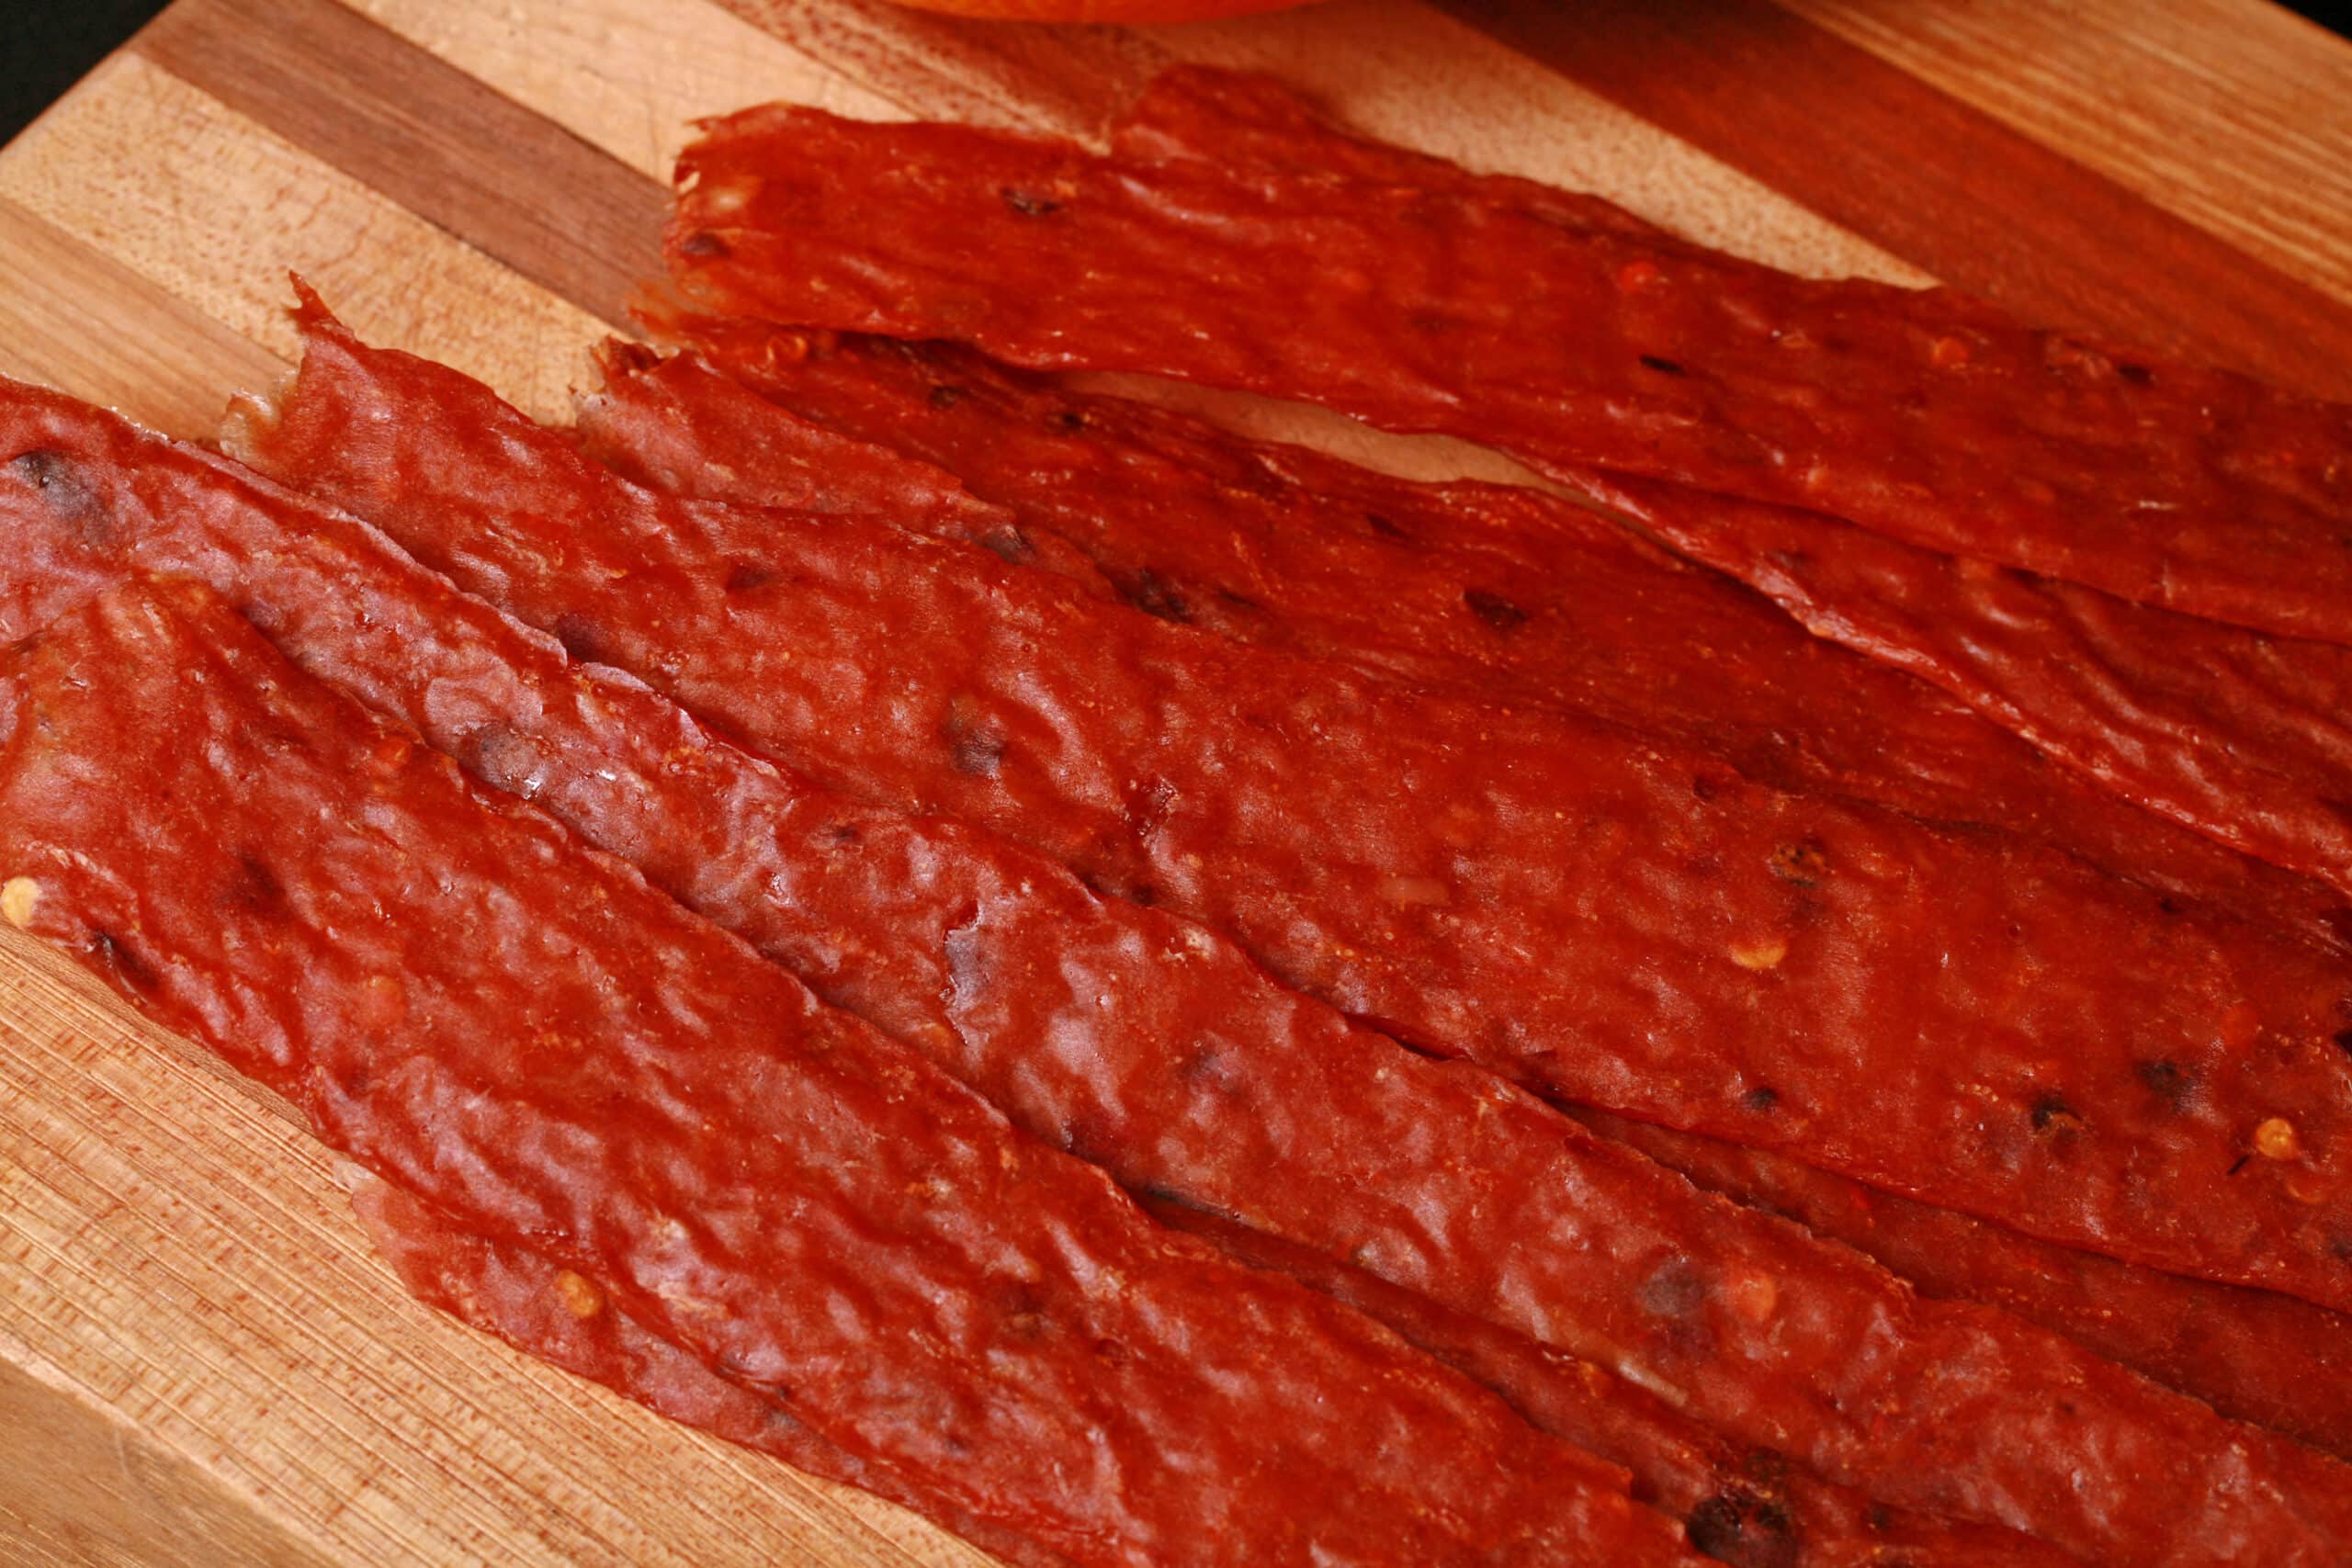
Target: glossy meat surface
(1495, 590)
(1430, 308)
(1148, 1044)
(1628, 925)
(1273, 545)
(2244, 738)
(797, 1201)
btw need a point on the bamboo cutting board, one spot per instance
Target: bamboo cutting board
(201, 1362)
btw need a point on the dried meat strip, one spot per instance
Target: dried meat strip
(1962, 1020)
(1195, 113)
(561, 1316)
(801, 1203)
(2259, 1356)
(1744, 1506)
(1422, 308)
(2244, 738)
(1175, 1061)
(1275, 544)
(1497, 589)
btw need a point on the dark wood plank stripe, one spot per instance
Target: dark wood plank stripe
(427, 136)
(1932, 180)
(62, 320)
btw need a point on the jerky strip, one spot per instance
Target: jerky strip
(524, 1298)
(803, 470)
(2252, 1354)
(1745, 1506)
(2242, 736)
(1493, 589)
(797, 1199)
(1175, 1062)
(1189, 519)
(1625, 923)
(1428, 309)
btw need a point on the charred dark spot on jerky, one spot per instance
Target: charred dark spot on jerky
(973, 749)
(1385, 527)
(2138, 375)
(580, 636)
(1802, 864)
(1208, 1065)
(2237, 1164)
(2344, 1040)
(2165, 1081)
(1170, 1198)
(126, 968)
(841, 834)
(69, 498)
(744, 577)
(1714, 1526)
(1066, 422)
(1703, 788)
(1029, 204)
(2054, 1118)
(253, 886)
(1763, 1096)
(1673, 1290)
(502, 757)
(1748, 1532)
(1022, 1310)
(944, 397)
(703, 243)
(1009, 545)
(1494, 609)
(1880, 1517)
(1155, 595)
(2167, 904)
(1663, 367)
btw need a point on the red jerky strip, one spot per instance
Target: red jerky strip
(1745, 1507)
(794, 1198)
(2260, 1357)
(543, 1310)
(842, 476)
(1424, 308)
(1492, 588)
(2246, 737)
(1173, 1059)
(1199, 113)
(1202, 528)
(1962, 1020)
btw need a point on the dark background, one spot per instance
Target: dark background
(45, 45)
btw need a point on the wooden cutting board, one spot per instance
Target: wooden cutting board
(201, 1362)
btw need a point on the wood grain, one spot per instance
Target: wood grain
(426, 136)
(200, 1360)
(2228, 115)
(1980, 205)
(220, 209)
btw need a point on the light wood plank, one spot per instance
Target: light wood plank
(75, 318)
(140, 165)
(2233, 116)
(628, 76)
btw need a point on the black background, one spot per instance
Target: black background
(46, 45)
